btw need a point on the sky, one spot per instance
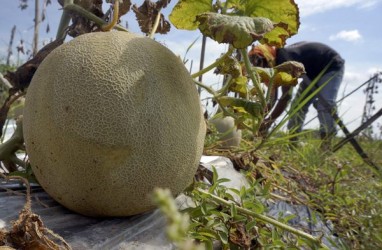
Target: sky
(348, 26)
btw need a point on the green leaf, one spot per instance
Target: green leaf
(231, 66)
(255, 206)
(236, 4)
(239, 86)
(287, 218)
(275, 236)
(223, 215)
(265, 74)
(250, 225)
(243, 192)
(208, 244)
(240, 31)
(215, 175)
(222, 180)
(235, 191)
(26, 174)
(204, 209)
(212, 223)
(267, 188)
(252, 108)
(239, 218)
(208, 233)
(207, 241)
(183, 15)
(229, 196)
(285, 79)
(283, 13)
(287, 73)
(233, 210)
(223, 237)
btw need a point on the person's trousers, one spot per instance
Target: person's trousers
(324, 102)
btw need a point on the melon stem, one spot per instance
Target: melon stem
(114, 19)
(156, 24)
(83, 12)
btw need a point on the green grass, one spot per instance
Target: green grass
(340, 186)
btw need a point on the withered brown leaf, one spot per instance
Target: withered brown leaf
(239, 236)
(81, 25)
(162, 3)
(124, 7)
(23, 75)
(147, 13)
(22, 78)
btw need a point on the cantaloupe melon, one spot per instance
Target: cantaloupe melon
(108, 117)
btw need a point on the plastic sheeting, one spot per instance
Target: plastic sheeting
(305, 220)
(81, 232)
(146, 231)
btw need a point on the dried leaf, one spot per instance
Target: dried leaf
(229, 66)
(23, 75)
(240, 31)
(295, 69)
(162, 3)
(23, 4)
(43, 14)
(20, 47)
(146, 15)
(124, 7)
(29, 232)
(238, 235)
(81, 25)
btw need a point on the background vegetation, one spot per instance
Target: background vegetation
(340, 187)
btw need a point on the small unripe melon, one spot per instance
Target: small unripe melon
(230, 136)
(108, 117)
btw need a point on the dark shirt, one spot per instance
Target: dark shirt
(315, 57)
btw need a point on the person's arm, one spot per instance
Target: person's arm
(281, 104)
(277, 111)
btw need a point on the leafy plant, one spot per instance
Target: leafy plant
(240, 23)
(236, 218)
(340, 187)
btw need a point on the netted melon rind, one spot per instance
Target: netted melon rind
(108, 117)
